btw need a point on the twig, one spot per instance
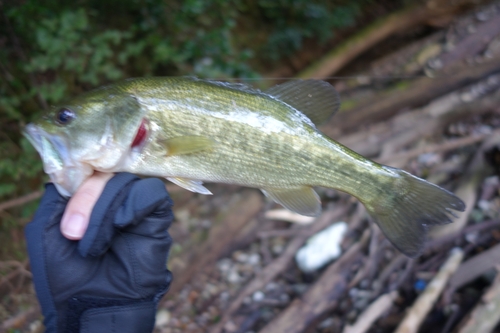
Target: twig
(373, 259)
(21, 319)
(400, 159)
(372, 313)
(446, 240)
(419, 92)
(426, 300)
(354, 226)
(473, 268)
(410, 266)
(292, 232)
(393, 265)
(20, 201)
(452, 318)
(18, 274)
(231, 223)
(264, 250)
(486, 315)
(372, 35)
(467, 191)
(403, 129)
(279, 264)
(322, 296)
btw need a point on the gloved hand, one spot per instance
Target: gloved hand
(112, 279)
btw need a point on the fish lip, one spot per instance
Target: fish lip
(61, 169)
(34, 134)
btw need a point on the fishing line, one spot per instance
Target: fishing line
(327, 78)
(358, 77)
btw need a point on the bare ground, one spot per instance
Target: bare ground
(431, 107)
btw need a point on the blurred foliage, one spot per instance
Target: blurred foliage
(53, 49)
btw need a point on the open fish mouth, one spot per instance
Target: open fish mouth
(57, 162)
(52, 149)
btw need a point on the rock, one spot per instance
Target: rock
(162, 318)
(258, 296)
(321, 248)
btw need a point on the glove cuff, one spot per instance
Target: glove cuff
(94, 315)
(138, 317)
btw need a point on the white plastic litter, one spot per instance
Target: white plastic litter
(288, 216)
(321, 248)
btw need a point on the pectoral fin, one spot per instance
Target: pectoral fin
(190, 185)
(183, 145)
(301, 200)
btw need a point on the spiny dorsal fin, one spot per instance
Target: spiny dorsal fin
(231, 85)
(317, 99)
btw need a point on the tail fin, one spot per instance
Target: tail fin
(406, 210)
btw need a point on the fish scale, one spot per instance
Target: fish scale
(189, 130)
(234, 158)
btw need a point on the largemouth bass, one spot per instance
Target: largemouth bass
(192, 131)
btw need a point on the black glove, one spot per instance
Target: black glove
(112, 279)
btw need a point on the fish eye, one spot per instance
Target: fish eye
(65, 116)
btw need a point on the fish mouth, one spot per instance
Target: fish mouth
(64, 172)
(51, 148)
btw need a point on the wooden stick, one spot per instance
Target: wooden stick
(426, 300)
(21, 320)
(220, 238)
(321, 297)
(486, 315)
(373, 260)
(279, 264)
(372, 313)
(467, 190)
(400, 159)
(373, 34)
(419, 92)
(20, 201)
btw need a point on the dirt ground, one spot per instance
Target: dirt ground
(429, 105)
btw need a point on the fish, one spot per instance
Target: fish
(191, 131)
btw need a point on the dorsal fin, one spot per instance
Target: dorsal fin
(231, 85)
(317, 99)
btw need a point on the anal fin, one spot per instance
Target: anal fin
(302, 200)
(190, 185)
